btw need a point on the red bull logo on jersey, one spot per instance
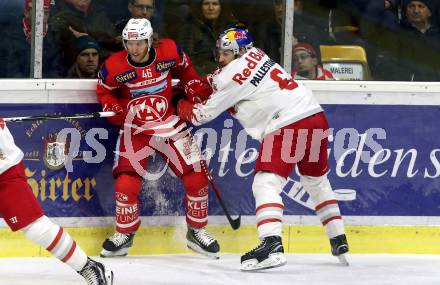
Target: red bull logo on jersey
(252, 59)
(126, 76)
(148, 108)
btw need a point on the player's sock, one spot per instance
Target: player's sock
(266, 188)
(326, 206)
(57, 241)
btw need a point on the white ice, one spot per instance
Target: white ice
(308, 269)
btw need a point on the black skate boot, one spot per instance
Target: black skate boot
(96, 274)
(339, 246)
(201, 242)
(117, 245)
(269, 254)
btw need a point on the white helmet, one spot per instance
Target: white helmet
(138, 29)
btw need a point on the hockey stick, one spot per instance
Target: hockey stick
(235, 223)
(63, 116)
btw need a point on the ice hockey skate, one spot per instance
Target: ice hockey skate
(117, 245)
(201, 242)
(339, 246)
(95, 273)
(269, 254)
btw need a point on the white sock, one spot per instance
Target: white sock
(326, 206)
(57, 241)
(269, 205)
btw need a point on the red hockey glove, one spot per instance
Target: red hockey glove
(115, 107)
(185, 110)
(198, 91)
(2, 123)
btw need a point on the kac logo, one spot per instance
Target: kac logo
(148, 108)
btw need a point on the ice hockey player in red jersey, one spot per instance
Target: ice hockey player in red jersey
(21, 211)
(136, 84)
(284, 115)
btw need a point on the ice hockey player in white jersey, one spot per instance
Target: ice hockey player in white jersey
(284, 115)
(28, 216)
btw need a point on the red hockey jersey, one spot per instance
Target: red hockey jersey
(144, 90)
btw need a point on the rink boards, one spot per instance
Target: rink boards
(383, 152)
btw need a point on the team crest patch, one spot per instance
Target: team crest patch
(126, 76)
(55, 152)
(165, 65)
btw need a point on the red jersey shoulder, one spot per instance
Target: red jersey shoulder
(168, 47)
(117, 70)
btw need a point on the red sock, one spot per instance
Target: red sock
(127, 188)
(196, 199)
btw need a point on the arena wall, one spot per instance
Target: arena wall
(384, 157)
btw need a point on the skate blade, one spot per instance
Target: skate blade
(274, 260)
(119, 253)
(194, 247)
(343, 259)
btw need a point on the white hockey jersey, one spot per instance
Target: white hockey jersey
(263, 95)
(10, 154)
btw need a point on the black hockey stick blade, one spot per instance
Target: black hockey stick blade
(235, 223)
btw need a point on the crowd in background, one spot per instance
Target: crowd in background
(401, 37)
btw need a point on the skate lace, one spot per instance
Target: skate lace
(260, 246)
(119, 239)
(203, 237)
(90, 275)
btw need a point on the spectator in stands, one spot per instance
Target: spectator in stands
(379, 27)
(199, 34)
(138, 9)
(18, 46)
(306, 64)
(420, 42)
(418, 17)
(87, 59)
(83, 17)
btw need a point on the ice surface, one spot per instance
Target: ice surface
(308, 269)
